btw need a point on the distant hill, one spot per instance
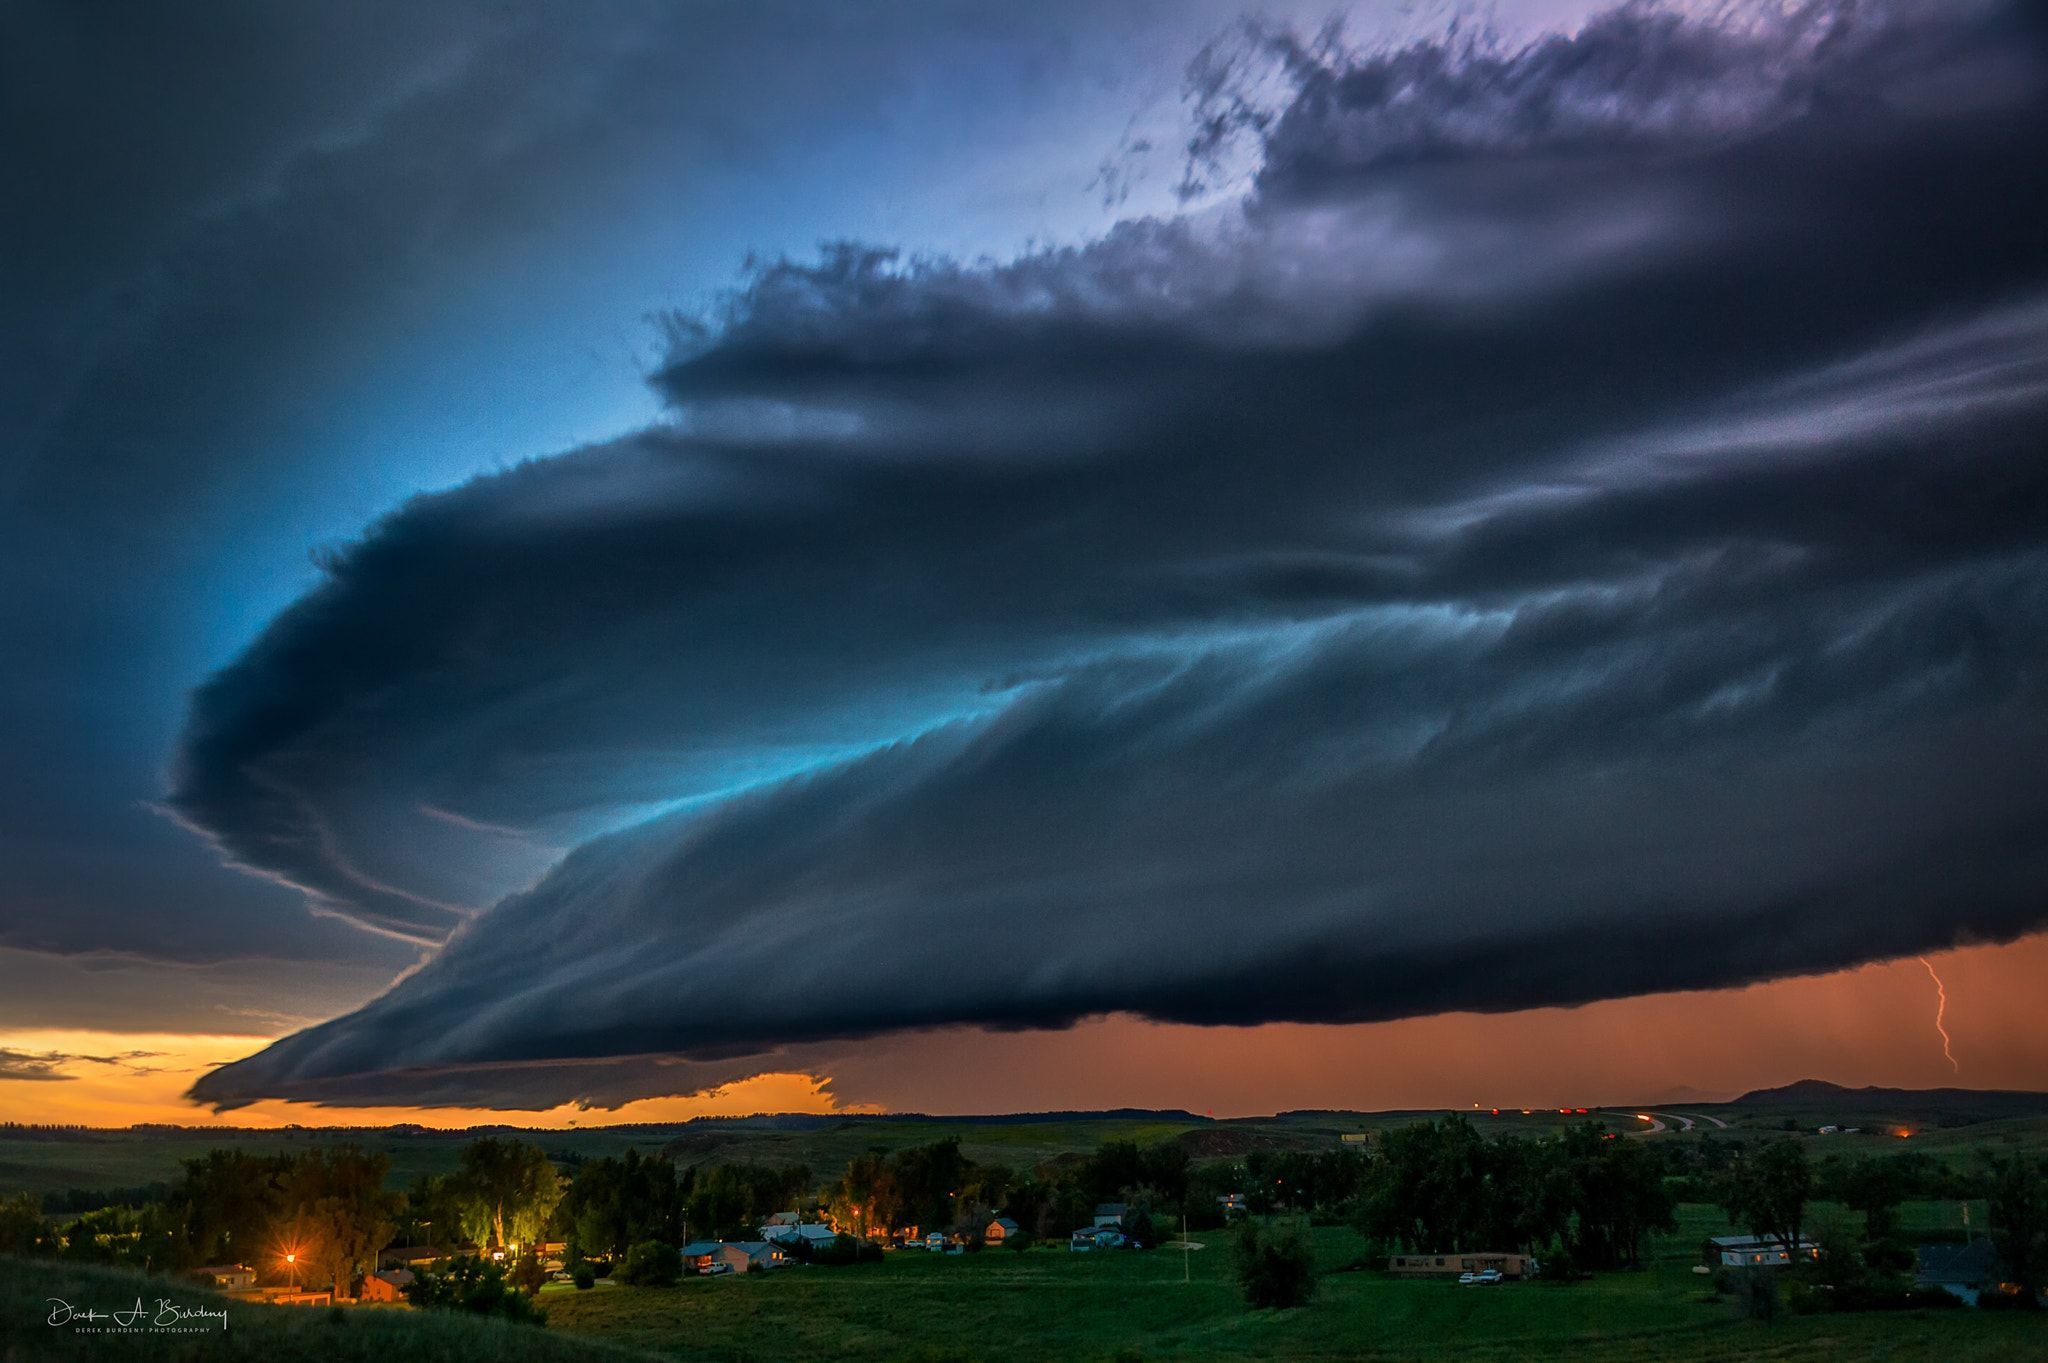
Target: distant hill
(1684, 1095)
(1957, 1104)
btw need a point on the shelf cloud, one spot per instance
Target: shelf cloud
(1572, 527)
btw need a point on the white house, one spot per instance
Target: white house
(228, 1277)
(1759, 1251)
(1110, 1213)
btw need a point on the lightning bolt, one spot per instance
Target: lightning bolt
(1941, 1013)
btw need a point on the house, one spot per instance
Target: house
(1458, 1262)
(790, 1234)
(1000, 1229)
(412, 1256)
(227, 1277)
(1110, 1213)
(698, 1254)
(1233, 1204)
(1095, 1237)
(387, 1284)
(1758, 1251)
(747, 1256)
(289, 1296)
(783, 1219)
(1964, 1271)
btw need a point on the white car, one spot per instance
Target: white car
(1491, 1275)
(716, 1268)
(1467, 1279)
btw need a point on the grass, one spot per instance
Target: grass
(258, 1334)
(1046, 1303)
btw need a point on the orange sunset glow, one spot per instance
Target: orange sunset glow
(1871, 1025)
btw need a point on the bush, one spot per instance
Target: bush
(1558, 1264)
(477, 1286)
(651, 1263)
(583, 1277)
(1274, 1271)
(1993, 1300)
(1756, 1293)
(528, 1276)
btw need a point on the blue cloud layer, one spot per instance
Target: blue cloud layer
(1575, 528)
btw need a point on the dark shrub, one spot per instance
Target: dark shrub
(583, 1277)
(651, 1263)
(1557, 1264)
(1274, 1271)
(1756, 1293)
(474, 1285)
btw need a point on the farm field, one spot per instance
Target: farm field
(134, 1157)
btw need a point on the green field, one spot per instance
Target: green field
(1047, 1303)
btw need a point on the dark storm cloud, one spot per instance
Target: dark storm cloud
(1577, 529)
(50, 1065)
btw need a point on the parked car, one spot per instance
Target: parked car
(1467, 1279)
(935, 1241)
(1491, 1275)
(717, 1267)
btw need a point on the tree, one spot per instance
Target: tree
(23, 1230)
(651, 1263)
(2019, 1220)
(1610, 1194)
(475, 1285)
(1274, 1271)
(1874, 1187)
(616, 1203)
(1767, 1190)
(508, 1189)
(342, 1216)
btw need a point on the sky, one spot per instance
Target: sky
(610, 562)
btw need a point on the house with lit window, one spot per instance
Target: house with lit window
(1759, 1251)
(1459, 1262)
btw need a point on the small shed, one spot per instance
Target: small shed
(1000, 1229)
(387, 1284)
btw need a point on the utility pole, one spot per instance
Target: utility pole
(1186, 1271)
